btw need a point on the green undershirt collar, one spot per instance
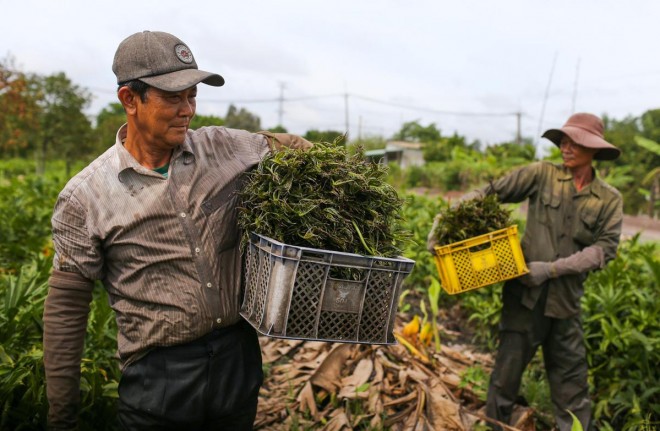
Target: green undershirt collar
(162, 170)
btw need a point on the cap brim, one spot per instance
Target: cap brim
(183, 79)
(606, 151)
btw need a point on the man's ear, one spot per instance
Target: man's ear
(128, 99)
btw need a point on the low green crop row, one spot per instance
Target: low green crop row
(621, 319)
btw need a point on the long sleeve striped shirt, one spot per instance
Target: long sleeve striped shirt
(166, 249)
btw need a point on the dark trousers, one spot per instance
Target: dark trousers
(522, 331)
(209, 384)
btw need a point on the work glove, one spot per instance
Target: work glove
(431, 240)
(279, 140)
(586, 260)
(539, 273)
(583, 261)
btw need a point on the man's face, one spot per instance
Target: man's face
(163, 118)
(575, 155)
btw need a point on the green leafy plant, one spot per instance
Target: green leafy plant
(418, 212)
(26, 205)
(622, 331)
(471, 218)
(434, 300)
(483, 306)
(576, 426)
(323, 198)
(476, 378)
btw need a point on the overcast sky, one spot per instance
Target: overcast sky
(467, 66)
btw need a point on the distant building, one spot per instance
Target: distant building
(411, 152)
(405, 154)
(382, 156)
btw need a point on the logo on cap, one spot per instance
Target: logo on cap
(183, 53)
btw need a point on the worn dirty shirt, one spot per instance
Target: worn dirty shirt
(166, 249)
(561, 221)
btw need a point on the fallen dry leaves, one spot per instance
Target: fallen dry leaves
(337, 387)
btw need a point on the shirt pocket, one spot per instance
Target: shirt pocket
(548, 211)
(220, 211)
(585, 231)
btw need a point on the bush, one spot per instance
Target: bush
(622, 330)
(26, 206)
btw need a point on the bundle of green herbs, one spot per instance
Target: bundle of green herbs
(323, 198)
(471, 218)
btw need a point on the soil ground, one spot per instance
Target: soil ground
(647, 227)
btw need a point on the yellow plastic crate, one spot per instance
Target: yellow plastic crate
(480, 261)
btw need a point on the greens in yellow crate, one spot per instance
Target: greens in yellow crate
(471, 218)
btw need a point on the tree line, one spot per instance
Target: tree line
(42, 117)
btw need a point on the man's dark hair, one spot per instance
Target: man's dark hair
(137, 86)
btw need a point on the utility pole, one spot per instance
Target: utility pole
(545, 99)
(280, 111)
(518, 135)
(360, 128)
(575, 86)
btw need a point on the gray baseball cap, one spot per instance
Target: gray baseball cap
(160, 60)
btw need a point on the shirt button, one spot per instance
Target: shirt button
(197, 250)
(209, 285)
(218, 320)
(183, 215)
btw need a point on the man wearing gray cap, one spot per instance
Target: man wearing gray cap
(573, 227)
(154, 219)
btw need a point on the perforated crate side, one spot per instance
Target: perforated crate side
(303, 315)
(480, 261)
(302, 300)
(251, 268)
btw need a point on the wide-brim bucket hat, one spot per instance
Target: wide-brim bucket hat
(161, 60)
(585, 130)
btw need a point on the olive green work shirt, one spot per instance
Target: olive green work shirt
(560, 222)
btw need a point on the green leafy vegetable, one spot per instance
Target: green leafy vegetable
(471, 218)
(323, 198)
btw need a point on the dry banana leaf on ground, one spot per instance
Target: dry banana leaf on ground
(339, 387)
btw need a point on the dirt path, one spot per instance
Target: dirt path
(648, 228)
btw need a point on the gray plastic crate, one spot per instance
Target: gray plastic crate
(299, 292)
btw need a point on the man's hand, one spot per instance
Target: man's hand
(279, 140)
(581, 262)
(539, 273)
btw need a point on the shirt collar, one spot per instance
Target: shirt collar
(597, 186)
(564, 174)
(127, 161)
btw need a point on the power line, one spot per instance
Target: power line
(436, 111)
(281, 100)
(280, 111)
(345, 96)
(273, 100)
